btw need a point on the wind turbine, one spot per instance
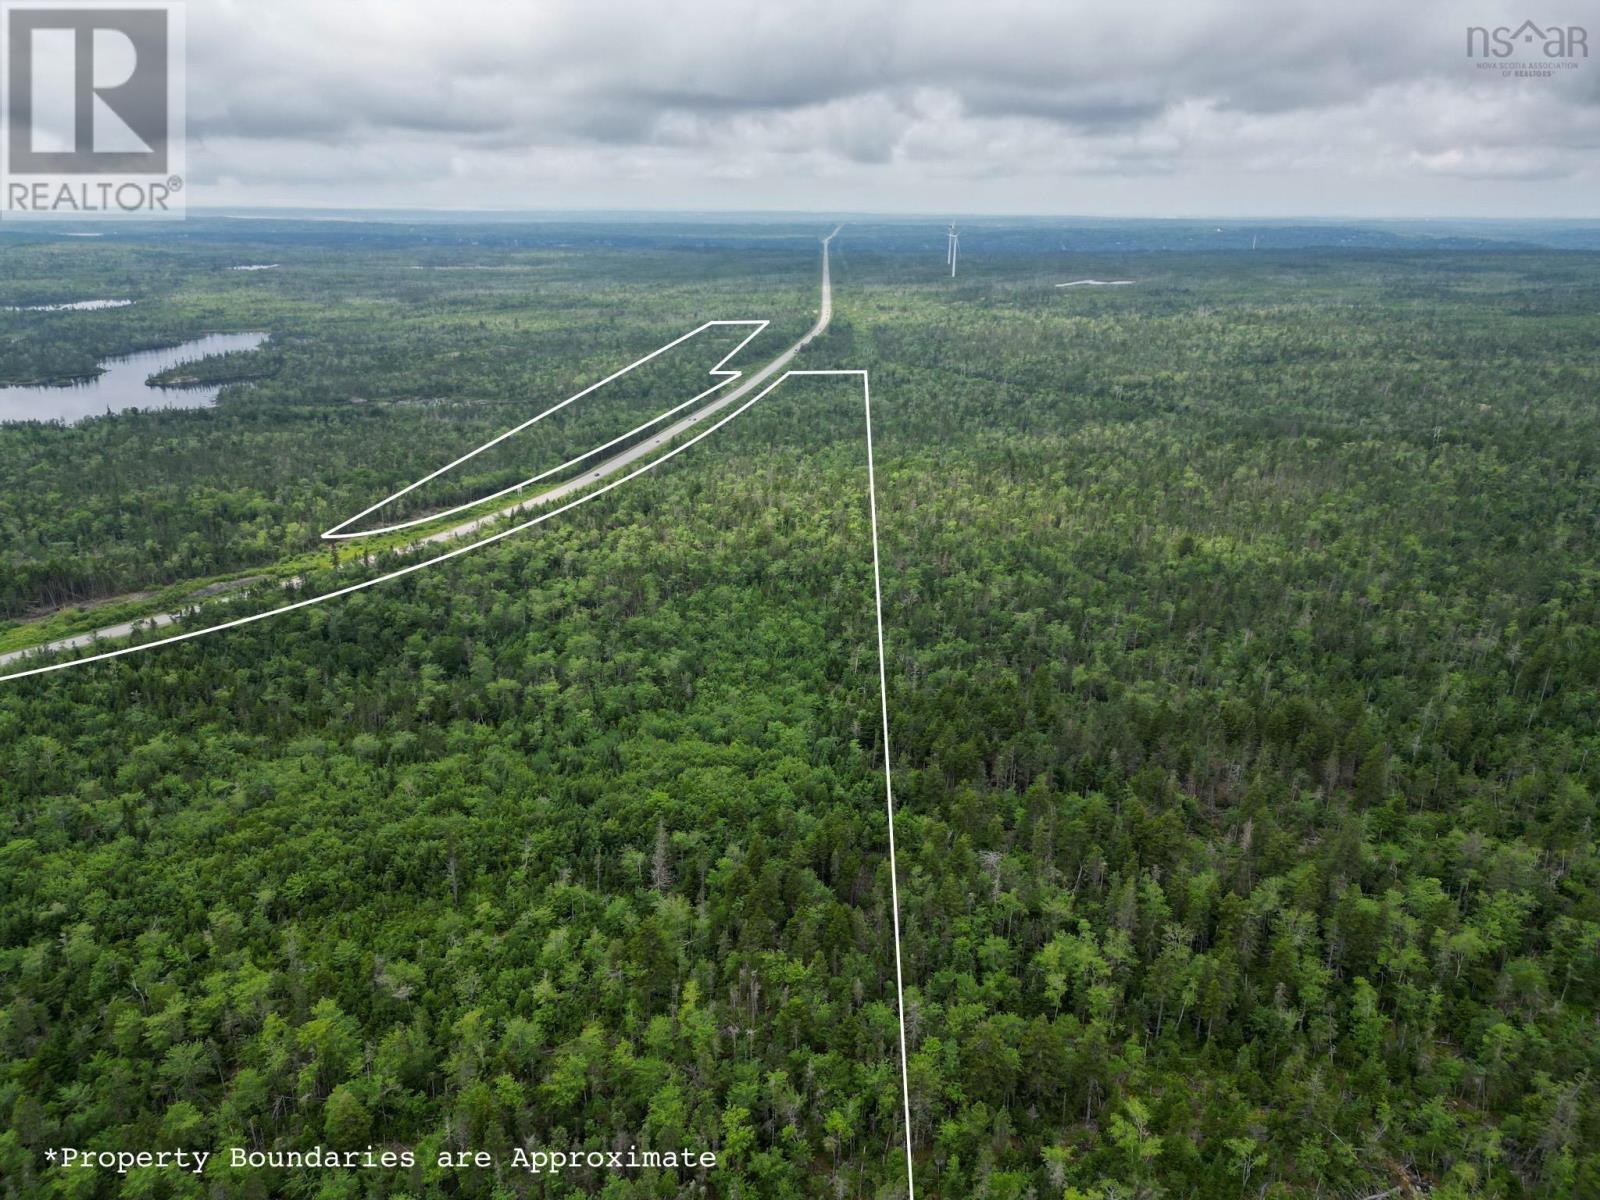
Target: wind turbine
(952, 248)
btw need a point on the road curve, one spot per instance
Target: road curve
(611, 466)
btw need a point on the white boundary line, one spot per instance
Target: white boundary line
(413, 568)
(724, 377)
(410, 569)
(883, 681)
(883, 684)
(888, 776)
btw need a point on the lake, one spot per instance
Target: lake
(122, 385)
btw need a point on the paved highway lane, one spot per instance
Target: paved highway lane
(743, 388)
(644, 449)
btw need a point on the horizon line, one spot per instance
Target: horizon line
(267, 211)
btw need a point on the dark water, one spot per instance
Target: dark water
(122, 386)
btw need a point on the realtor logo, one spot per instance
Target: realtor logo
(93, 109)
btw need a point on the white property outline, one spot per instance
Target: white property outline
(724, 377)
(413, 568)
(410, 568)
(883, 681)
(888, 778)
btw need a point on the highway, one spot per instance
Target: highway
(744, 387)
(633, 454)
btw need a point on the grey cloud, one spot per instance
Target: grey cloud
(1082, 111)
(877, 97)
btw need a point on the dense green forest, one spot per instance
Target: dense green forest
(380, 359)
(1244, 680)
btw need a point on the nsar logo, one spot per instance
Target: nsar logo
(1528, 51)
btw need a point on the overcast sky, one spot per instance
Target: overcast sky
(1149, 108)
